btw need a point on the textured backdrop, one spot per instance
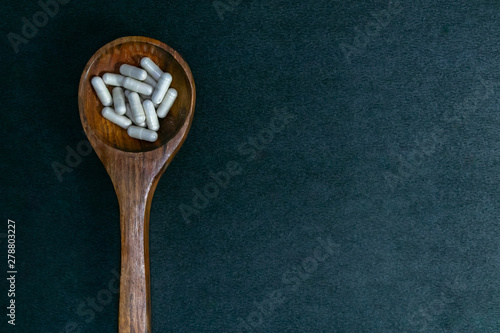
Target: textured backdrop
(364, 143)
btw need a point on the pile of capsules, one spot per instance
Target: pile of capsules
(149, 96)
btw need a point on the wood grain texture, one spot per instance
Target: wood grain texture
(134, 166)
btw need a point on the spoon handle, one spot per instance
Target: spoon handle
(135, 297)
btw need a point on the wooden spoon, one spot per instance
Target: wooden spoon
(136, 166)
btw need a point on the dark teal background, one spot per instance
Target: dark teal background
(389, 156)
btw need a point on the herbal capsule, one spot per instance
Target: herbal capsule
(112, 79)
(161, 88)
(133, 72)
(142, 134)
(119, 101)
(151, 117)
(102, 91)
(165, 106)
(115, 118)
(136, 107)
(137, 86)
(149, 80)
(151, 68)
(131, 117)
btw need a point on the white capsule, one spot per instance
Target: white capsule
(102, 91)
(133, 72)
(142, 134)
(115, 118)
(126, 92)
(131, 117)
(149, 80)
(161, 88)
(151, 68)
(119, 101)
(137, 86)
(112, 79)
(151, 117)
(136, 107)
(165, 106)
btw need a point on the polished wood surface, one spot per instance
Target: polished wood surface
(136, 166)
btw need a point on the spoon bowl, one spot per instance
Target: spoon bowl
(130, 50)
(135, 166)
